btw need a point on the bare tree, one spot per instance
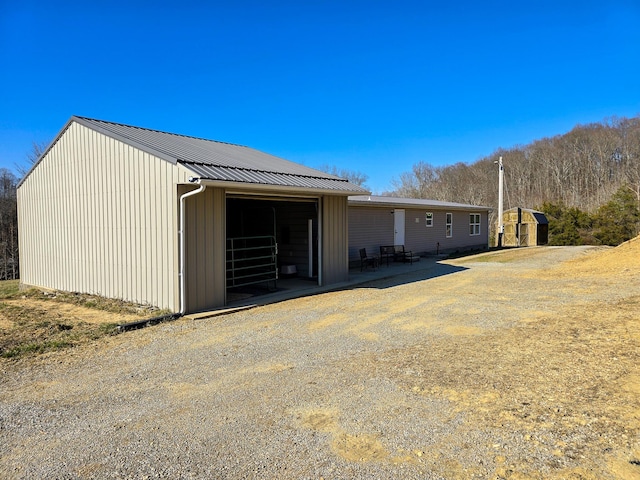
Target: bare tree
(419, 183)
(628, 155)
(9, 255)
(353, 176)
(580, 169)
(8, 226)
(37, 150)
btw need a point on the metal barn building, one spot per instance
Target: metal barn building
(174, 221)
(422, 226)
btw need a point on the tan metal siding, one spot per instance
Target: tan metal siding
(98, 216)
(335, 252)
(205, 253)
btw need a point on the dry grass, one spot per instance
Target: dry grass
(562, 382)
(35, 322)
(523, 365)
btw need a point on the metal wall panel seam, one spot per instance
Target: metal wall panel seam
(83, 247)
(93, 203)
(112, 257)
(73, 279)
(128, 211)
(136, 206)
(59, 154)
(117, 277)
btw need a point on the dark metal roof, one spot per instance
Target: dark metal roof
(211, 160)
(540, 217)
(378, 201)
(239, 175)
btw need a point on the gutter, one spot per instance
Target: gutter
(183, 197)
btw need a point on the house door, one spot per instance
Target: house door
(398, 226)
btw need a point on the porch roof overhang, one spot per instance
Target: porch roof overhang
(264, 181)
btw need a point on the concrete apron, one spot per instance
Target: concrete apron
(289, 288)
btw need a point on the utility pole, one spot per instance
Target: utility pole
(500, 201)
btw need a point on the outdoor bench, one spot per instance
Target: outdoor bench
(386, 252)
(397, 253)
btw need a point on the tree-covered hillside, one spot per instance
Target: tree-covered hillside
(581, 172)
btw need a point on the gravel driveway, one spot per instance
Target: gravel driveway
(496, 366)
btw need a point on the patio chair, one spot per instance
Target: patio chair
(366, 261)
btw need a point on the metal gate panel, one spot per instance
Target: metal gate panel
(252, 260)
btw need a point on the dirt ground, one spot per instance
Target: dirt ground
(529, 359)
(566, 379)
(65, 311)
(564, 376)
(36, 322)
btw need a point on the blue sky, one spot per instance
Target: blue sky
(368, 86)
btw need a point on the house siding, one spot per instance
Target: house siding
(423, 239)
(98, 216)
(371, 227)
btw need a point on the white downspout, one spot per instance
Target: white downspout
(183, 197)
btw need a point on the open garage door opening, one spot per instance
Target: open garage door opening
(272, 245)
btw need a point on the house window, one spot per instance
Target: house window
(474, 224)
(449, 225)
(428, 219)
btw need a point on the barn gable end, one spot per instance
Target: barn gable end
(98, 216)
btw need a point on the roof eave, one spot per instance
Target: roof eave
(274, 188)
(390, 203)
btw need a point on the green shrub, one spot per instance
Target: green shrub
(568, 225)
(618, 220)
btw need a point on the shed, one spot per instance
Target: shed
(524, 227)
(422, 226)
(174, 221)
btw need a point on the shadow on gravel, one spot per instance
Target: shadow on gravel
(382, 277)
(434, 271)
